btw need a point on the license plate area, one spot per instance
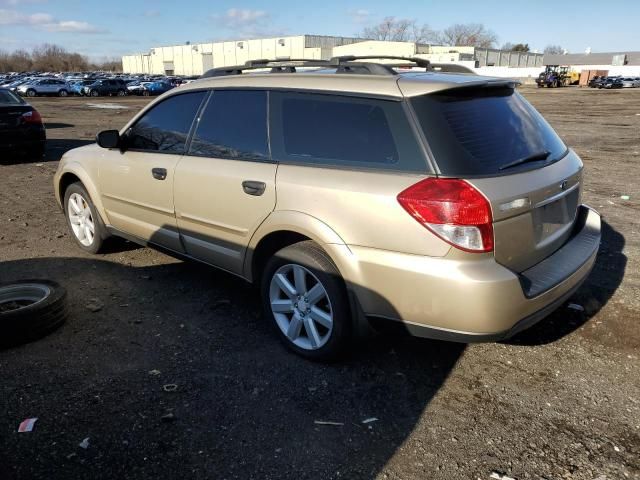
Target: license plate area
(554, 218)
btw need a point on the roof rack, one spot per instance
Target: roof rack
(343, 64)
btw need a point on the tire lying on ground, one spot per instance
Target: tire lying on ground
(29, 310)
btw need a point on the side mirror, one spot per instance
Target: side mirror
(108, 139)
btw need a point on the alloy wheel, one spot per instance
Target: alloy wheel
(301, 307)
(81, 219)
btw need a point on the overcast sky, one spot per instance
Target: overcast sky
(116, 27)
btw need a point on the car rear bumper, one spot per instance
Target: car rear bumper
(22, 137)
(471, 301)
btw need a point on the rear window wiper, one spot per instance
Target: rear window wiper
(542, 155)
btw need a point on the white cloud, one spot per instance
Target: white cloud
(360, 15)
(44, 21)
(13, 3)
(247, 23)
(240, 17)
(72, 26)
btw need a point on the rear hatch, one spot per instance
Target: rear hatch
(493, 138)
(12, 107)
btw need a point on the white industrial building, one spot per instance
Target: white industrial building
(195, 59)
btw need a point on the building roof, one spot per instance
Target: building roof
(604, 58)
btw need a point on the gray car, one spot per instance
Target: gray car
(45, 86)
(630, 82)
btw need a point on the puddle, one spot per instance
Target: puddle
(110, 106)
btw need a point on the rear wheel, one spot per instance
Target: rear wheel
(305, 298)
(94, 93)
(83, 219)
(145, 93)
(31, 92)
(121, 93)
(63, 93)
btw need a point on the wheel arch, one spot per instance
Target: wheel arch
(284, 228)
(73, 173)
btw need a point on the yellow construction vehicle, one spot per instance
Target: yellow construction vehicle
(558, 76)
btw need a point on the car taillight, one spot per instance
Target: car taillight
(32, 117)
(453, 210)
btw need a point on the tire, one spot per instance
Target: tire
(82, 200)
(330, 341)
(121, 93)
(29, 310)
(145, 93)
(31, 92)
(94, 93)
(63, 93)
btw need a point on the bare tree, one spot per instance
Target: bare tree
(44, 58)
(553, 50)
(469, 35)
(518, 47)
(400, 30)
(17, 61)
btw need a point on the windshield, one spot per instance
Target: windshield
(482, 131)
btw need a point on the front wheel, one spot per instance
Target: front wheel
(83, 219)
(31, 92)
(305, 297)
(63, 93)
(121, 93)
(94, 93)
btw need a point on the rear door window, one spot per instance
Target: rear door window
(482, 131)
(233, 125)
(353, 132)
(165, 127)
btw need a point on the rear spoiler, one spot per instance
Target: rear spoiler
(411, 88)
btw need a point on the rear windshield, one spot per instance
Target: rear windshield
(7, 97)
(486, 131)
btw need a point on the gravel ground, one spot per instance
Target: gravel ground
(561, 400)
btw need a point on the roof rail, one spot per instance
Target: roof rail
(420, 62)
(284, 65)
(343, 64)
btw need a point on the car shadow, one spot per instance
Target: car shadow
(243, 406)
(54, 125)
(56, 147)
(595, 292)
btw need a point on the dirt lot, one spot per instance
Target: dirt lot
(561, 400)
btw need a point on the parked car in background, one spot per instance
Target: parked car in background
(595, 81)
(151, 88)
(112, 86)
(77, 86)
(630, 82)
(44, 86)
(21, 128)
(13, 85)
(611, 83)
(443, 204)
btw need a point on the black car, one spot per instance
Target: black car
(21, 128)
(595, 81)
(611, 82)
(108, 86)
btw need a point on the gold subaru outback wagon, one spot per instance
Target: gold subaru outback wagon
(351, 193)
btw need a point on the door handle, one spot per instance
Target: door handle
(159, 173)
(252, 187)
